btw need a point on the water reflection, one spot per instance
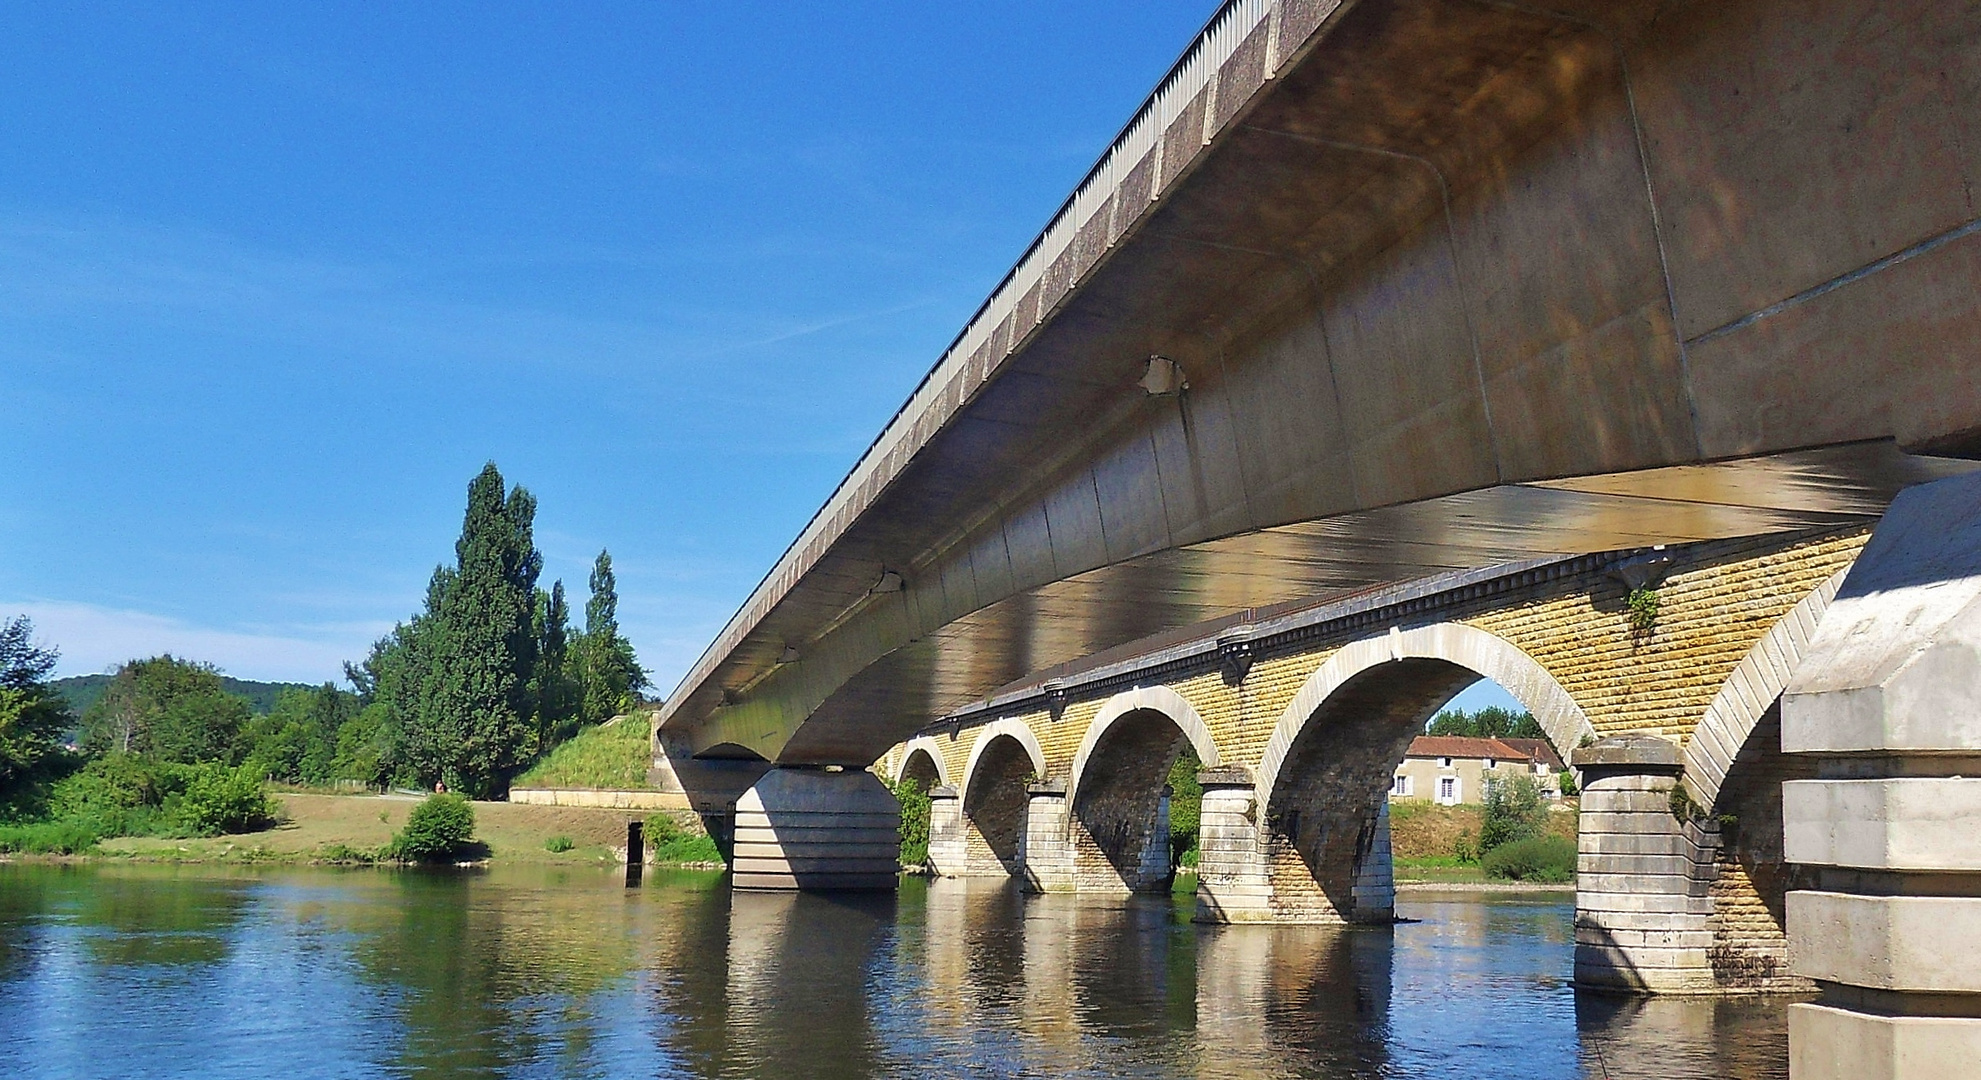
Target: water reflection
(137, 971)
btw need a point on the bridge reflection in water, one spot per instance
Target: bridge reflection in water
(959, 977)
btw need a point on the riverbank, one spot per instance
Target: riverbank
(324, 828)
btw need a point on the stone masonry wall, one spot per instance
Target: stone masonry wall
(1716, 601)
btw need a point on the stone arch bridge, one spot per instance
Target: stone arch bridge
(1299, 721)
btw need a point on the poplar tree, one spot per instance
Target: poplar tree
(609, 671)
(558, 691)
(467, 703)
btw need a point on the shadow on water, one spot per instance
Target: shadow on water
(156, 971)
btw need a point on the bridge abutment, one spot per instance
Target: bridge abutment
(1643, 876)
(817, 829)
(1887, 703)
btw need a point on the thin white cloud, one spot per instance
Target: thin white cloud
(94, 639)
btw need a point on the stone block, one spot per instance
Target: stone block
(1896, 659)
(1829, 1043)
(1917, 823)
(1919, 943)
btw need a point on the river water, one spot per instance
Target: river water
(155, 971)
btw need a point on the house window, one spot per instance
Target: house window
(1401, 788)
(1448, 789)
(1489, 763)
(1444, 763)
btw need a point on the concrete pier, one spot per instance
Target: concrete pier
(817, 830)
(1888, 836)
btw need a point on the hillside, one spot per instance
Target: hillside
(614, 755)
(81, 691)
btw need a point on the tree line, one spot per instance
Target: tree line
(466, 693)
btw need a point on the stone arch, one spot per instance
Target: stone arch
(1005, 756)
(926, 748)
(1159, 699)
(1117, 818)
(1478, 651)
(1750, 692)
(1322, 787)
(1013, 729)
(1733, 764)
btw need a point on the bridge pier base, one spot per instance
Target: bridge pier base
(816, 829)
(1232, 882)
(1643, 877)
(1375, 876)
(1048, 853)
(948, 832)
(1887, 702)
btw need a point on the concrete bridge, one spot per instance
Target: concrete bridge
(1370, 292)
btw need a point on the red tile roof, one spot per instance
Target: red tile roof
(1462, 746)
(1539, 750)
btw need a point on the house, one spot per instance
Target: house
(1453, 769)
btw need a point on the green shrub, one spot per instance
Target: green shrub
(48, 838)
(1513, 810)
(442, 827)
(1548, 859)
(559, 844)
(914, 822)
(345, 854)
(221, 800)
(1565, 781)
(672, 844)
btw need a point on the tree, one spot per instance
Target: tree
(559, 694)
(1513, 810)
(608, 670)
(169, 709)
(1491, 722)
(461, 687)
(33, 717)
(297, 740)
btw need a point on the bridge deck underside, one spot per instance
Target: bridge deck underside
(1457, 284)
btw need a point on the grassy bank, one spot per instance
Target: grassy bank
(613, 756)
(327, 828)
(1433, 843)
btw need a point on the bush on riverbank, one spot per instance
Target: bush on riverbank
(915, 811)
(440, 828)
(1544, 859)
(129, 795)
(670, 843)
(47, 838)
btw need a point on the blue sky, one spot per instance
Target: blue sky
(276, 280)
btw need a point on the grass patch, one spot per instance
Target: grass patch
(1547, 859)
(559, 844)
(671, 843)
(614, 756)
(48, 838)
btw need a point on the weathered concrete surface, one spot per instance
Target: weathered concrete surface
(1452, 283)
(612, 800)
(1887, 703)
(816, 830)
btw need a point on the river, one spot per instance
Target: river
(113, 970)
